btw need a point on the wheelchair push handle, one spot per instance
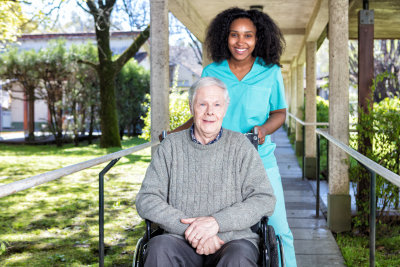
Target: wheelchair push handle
(253, 137)
(163, 135)
(255, 131)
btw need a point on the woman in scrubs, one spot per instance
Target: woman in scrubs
(246, 46)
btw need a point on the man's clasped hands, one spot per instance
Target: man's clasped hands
(202, 234)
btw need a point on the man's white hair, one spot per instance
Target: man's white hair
(204, 82)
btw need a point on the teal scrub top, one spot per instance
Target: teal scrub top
(251, 100)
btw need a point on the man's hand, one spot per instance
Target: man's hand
(200, 229)
(212, 245)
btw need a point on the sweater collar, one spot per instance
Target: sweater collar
(197, 142)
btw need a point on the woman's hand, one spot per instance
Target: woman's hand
(200, 229)
(275, 120)
(261, 134)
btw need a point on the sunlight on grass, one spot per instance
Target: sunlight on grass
(56, 224)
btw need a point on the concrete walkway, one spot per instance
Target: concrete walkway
(313, 241)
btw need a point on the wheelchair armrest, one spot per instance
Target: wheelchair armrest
(260, 226)
(148, 229)
(152, 233)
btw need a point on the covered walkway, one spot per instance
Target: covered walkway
(314, 242)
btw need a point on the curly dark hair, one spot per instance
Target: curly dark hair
(270, 42)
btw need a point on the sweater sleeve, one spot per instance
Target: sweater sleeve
(257, 194)
(152, 199)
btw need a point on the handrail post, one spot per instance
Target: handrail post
(372, 218)
(327, 161)
(101, 210)
(318, 161)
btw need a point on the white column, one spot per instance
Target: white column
(293, 95)
(338, 200)
(159, 67)
(299, 107)
(311, 109)
(286, 81)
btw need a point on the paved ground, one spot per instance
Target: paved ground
(313, 241)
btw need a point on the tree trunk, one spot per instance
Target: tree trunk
(31, 114)
(91, 124)
(106, 72)
(75, 124)
(107, 69)
(83, 121)
(108, 109)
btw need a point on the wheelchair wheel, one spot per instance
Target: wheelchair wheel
(281, 251)
(273, 246)
(138, 256)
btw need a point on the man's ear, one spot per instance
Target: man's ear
(191, 110)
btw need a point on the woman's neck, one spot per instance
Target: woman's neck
(241, 68)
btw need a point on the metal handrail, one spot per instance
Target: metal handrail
(11, 188)
(370, 164)
(308, 123)
(30, 182)
(372, 167)
(304, 124)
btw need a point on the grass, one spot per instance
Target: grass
(56, 224)
(355, 248)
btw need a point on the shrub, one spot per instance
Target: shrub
(380, 125)
(322, 110)
(132, 85)
(179, 112)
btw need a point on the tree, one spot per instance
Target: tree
(11, 21)
(55, 73)
(22, 68)
(89, 93)
(386, 59)
(386, 84)
(107, 68)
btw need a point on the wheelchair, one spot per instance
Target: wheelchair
(270, 245)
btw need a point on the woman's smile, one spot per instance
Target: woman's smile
(242, 39)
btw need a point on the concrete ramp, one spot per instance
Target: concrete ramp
(313, 241)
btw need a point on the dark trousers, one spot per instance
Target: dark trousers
(167, 251)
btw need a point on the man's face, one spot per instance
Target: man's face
(209, 108)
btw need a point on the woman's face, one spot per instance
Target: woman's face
(242, 39)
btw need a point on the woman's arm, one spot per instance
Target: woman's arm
(184, 126)
(274, 122)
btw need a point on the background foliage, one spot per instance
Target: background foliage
(132, 85)
(179, 112)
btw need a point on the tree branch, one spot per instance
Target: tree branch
(92, 7)
(109, 3)
(81, 6)
(94, 65)
(132, 50)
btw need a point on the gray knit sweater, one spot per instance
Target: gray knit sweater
(226, 180)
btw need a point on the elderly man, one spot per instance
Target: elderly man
(206, 186)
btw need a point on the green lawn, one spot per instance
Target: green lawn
(355, 248)
(56, 224)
